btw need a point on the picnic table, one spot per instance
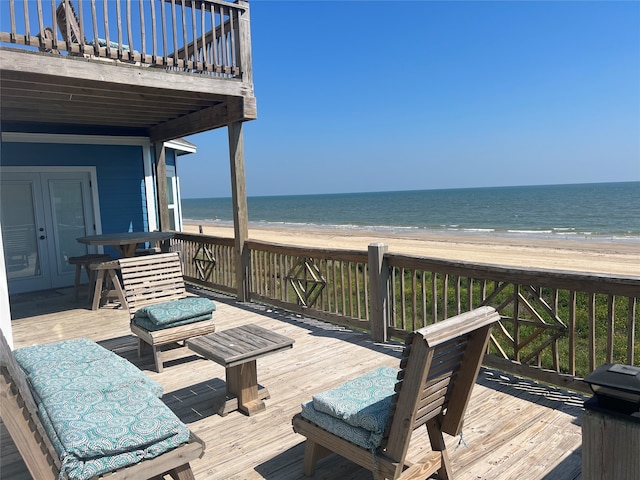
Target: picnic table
(127, 242)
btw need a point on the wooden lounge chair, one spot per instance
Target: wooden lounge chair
(439, 367)
(150, 280)
(76, 43)
(19, 413)
(69, 26)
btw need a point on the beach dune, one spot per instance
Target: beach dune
(595, 256)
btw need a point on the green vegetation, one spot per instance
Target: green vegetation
(539, 343)
(546, 345)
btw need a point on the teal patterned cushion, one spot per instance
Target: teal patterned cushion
(97, 431)
(78, 364)
(166, 313)
(148, 325)
(363, 402)
(100, 411)
(357, 435)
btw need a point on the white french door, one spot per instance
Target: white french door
(42, 213)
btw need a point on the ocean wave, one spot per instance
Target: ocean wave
(530, 232)
(321, 226)
(554, 232)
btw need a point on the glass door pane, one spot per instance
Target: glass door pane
(19, 229)
(68, 210)
(173, 203)
(42, 215)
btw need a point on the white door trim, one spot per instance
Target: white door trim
(150, 189)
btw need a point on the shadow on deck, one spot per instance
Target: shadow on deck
(514, 428)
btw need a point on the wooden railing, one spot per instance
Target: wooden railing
(555, 326)
(326, 284)
(204, 36)
(207, 261)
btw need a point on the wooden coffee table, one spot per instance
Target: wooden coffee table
(237, 350)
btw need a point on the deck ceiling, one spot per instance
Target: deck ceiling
(61, 94)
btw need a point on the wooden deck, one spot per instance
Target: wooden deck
(515, 428)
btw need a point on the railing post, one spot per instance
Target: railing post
(379, 294)
(244, 38)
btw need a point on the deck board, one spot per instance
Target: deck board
(514, 428)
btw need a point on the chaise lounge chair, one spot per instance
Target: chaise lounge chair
(45, 429)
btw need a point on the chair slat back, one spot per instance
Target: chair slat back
(438, 370)
(68, 23)
(151, 279)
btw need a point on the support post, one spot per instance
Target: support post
(240, 212)
(161, 186)
(609, 445)
(379, 294)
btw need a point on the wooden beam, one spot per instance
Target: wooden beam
(235, 110)
(240, 212)
(43, 89)
(77, 86)
(161, 186)
(92, 73)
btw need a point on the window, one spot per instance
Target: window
(173, 200)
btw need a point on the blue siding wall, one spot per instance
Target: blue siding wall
(119, 169)
(171, 157)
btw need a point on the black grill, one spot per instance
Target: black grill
(616, 389)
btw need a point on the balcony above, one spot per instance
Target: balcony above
(156, 68)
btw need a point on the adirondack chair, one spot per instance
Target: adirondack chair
(151, 280)
(20, 414)
(69, 26)
(439, 367)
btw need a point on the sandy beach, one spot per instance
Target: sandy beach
(609, 257)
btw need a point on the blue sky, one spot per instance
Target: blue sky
(357, 96)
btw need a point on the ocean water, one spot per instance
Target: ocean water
(605, 211)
